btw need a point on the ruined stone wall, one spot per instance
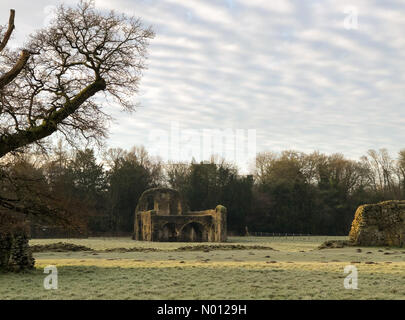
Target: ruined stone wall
(165, 201)
(218, 231)
(220, 221)
(143, 225)
(15, 254)
(381, 224)
(178, 226)
(209, 224)
(168, 221)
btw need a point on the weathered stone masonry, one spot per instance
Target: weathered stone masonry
(381, 224)
(161, 215)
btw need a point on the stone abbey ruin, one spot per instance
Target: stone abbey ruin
(381, 224)
(161, 215)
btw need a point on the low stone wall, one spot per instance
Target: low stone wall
(15, 254)
(381, 224)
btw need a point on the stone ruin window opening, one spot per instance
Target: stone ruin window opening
(174, 207)
(150, 203)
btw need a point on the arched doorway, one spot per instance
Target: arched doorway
(169, 233)
(192, 232)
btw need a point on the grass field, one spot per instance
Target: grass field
(261, 268)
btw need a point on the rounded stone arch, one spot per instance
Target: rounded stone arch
(193, 232)
(168, 233)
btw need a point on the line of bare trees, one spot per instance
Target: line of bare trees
(377, 170)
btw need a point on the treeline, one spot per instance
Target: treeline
(316, 193)
(287, 192)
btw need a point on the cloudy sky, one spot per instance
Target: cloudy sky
(305, 74)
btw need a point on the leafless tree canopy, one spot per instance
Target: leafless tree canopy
(52, 84)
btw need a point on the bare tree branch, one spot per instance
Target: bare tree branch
(51, 87)
(15, 71)
(22, 138)
(9, 31)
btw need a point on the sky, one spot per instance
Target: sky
(274, 75)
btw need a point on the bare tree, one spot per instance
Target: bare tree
(263, 164)
(53, 85)
(382, 172)
(59, 83)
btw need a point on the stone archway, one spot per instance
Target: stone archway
(193, 232)
(169, 233)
